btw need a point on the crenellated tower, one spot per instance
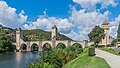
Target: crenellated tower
(54, 33)
(18, 38)
(106, 27)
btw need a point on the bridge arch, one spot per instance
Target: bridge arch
(23, 47)
(34, 47)
(46, 47)
(60, 45)
(77, 45)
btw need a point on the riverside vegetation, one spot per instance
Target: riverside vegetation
(56, 57)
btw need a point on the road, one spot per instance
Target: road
(112, 60)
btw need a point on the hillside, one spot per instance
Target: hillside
(29, 35)
(7, 33)
(39, 34)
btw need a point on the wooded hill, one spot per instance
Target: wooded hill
(29, 35)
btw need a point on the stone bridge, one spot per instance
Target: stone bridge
(40, 44)
(30, 45)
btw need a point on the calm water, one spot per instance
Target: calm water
(17, 59)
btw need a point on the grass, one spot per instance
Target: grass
(84, 61)
(110, 50)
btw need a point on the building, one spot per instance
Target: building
(106, 39)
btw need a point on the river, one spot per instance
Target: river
(17, 59)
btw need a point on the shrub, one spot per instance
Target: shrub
(39, 64)
(110, 45)
(56, 57)
(6, 46)
(91, 51)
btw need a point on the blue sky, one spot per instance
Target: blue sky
(57, 8)
(74, 18)
(33, 8)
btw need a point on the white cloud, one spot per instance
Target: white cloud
(23, 18)
(87, 4)
(114, 27)
(85, 21)
(81, 19)
(28, 26)
(91, 4)
(9, 17)
(73, 35)
(106, 3)
(46, 23)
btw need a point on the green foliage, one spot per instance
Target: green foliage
(47, 47)
(61, 45)
(5, 40)
(91, 51)
(39, 34)
(96, 34)
(3, 37)
(39, 64)
(24, 38)
(57, 57)
(5, 46)
(77, 45)
(7, 34)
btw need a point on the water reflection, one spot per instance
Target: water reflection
(17, 60)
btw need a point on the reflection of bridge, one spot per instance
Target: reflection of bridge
(29, 45)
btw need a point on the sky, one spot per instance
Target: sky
(73, 18)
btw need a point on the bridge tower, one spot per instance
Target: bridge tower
(54, 33)
(106, 27)
(18, 38)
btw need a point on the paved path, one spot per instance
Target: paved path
(112, 60)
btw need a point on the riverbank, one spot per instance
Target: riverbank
(84, 61)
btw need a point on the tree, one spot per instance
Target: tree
(3, 37)
(47, 47)
(56, 57)
(6, 46)
(96, 35)
(118, 32)
(61, 45)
